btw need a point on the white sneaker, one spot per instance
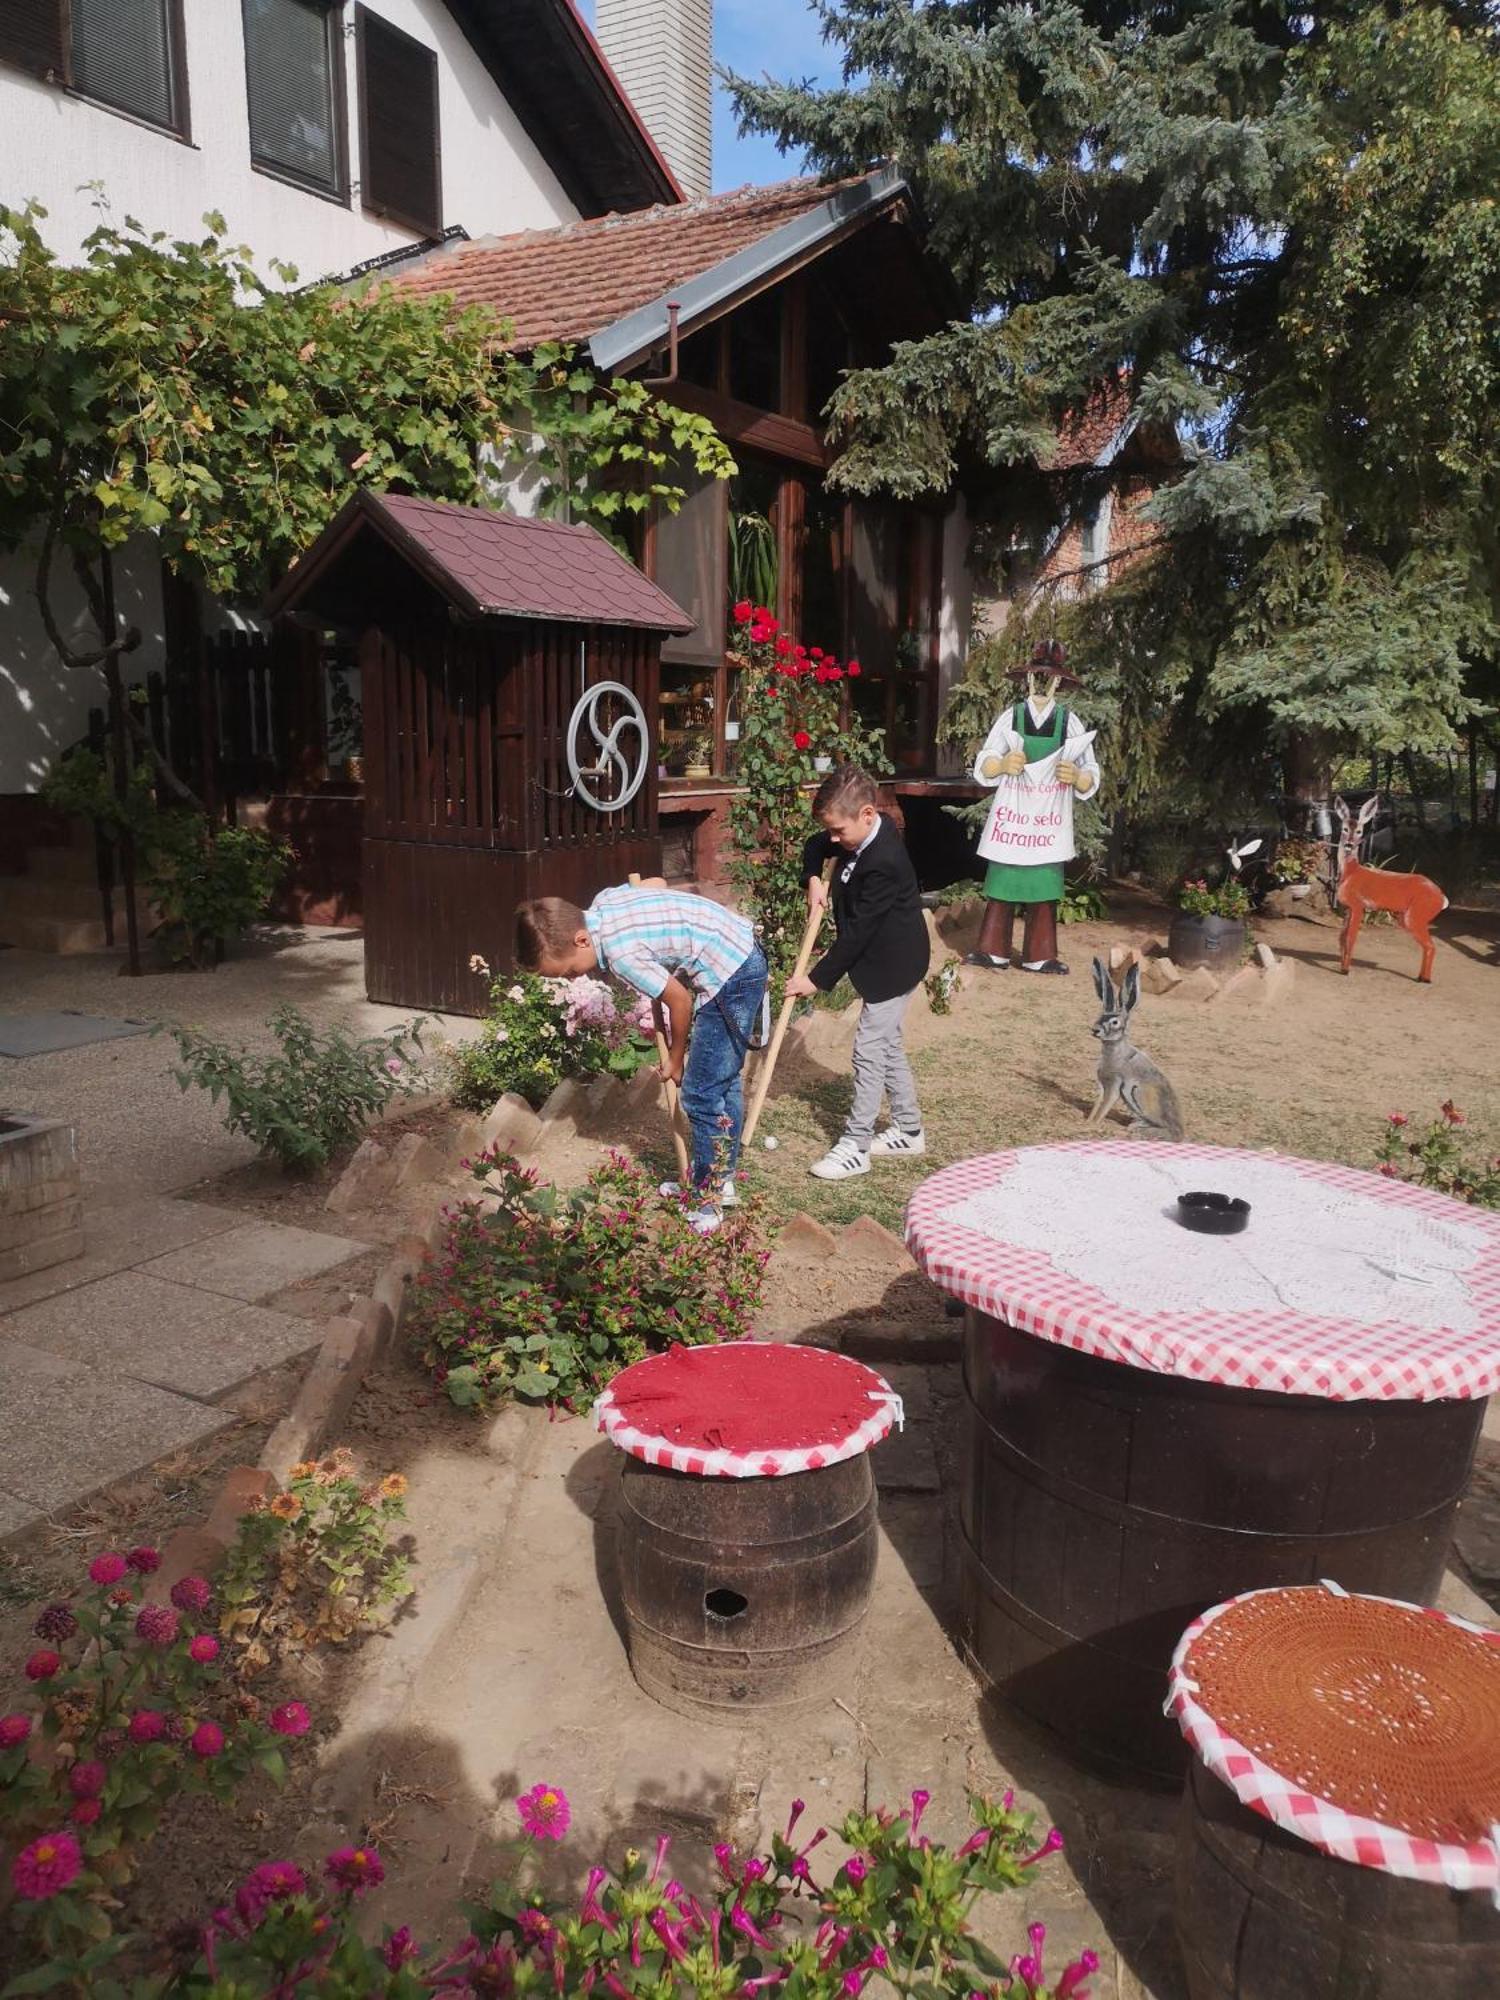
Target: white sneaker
(672, 1191)
(842, 1162)
(704, 1220)
(895, 1143)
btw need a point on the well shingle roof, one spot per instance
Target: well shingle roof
(571, 282)
(497, 564)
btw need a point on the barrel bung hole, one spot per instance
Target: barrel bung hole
(725, 1604)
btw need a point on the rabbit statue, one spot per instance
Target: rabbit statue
(1127, 1075)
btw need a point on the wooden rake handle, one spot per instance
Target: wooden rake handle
(783, 1021)
(674, 1108)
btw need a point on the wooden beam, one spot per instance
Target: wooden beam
(758, 430)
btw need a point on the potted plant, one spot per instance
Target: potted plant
(1209, 927)
(697, 752)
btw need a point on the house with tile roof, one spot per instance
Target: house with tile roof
(330, 134)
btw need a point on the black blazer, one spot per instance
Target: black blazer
(882, 935)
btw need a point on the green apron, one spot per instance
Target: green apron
(1040, 882)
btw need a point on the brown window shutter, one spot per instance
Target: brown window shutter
(31, 37)
(401, 174)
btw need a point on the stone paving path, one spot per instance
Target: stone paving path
(124, 1355)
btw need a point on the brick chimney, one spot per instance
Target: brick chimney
(662, 52)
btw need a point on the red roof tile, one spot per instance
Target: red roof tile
(1084, 434)
(571, 282)
(497, 564)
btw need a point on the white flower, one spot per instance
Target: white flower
(502, 1034)
(516, 993)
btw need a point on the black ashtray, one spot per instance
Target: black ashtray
(1213, 1214)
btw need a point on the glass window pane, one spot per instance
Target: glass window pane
(755, 352)
(122, 54)
(293, 103)
(689, 566)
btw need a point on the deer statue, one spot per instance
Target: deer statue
(1413, 900)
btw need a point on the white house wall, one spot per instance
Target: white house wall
(52, 145)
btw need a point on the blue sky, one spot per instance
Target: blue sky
(755, 38)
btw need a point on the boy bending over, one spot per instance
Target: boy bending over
(702, 966)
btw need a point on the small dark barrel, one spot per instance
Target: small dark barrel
(1263, 1916)
(745, 1593)
(1103, 1508)
(1217, 942)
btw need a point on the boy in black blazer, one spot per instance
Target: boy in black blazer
(882, 945)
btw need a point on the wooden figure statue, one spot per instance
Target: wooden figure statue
(1413, 900)
(1038, 757)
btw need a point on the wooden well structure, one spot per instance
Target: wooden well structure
(478, 633)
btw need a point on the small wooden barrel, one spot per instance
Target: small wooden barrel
(1322, 1712)
(745, 1593)
(1103, 1507)
(1263, 1916)
(747, 1538)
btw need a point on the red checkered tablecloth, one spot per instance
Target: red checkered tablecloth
(1322, 1352)
(1348, 1836)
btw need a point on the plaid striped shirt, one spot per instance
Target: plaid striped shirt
(642, 935)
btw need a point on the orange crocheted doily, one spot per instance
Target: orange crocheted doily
(1380, 1709)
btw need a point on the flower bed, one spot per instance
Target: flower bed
(548, 1293)
(539, 1031)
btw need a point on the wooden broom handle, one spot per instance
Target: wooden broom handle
(783, 1020)
(674, 1108)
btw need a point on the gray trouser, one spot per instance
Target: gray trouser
(881, 1069)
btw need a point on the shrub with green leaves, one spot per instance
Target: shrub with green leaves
(311, 1098)
(549, 1293)
(539, 1031)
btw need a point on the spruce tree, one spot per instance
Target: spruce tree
(1272, 230)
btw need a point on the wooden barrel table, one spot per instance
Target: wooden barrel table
(747, 1521)
(1155, 1420)
(1338, 1836)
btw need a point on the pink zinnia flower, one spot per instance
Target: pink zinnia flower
(48, 1865)
(147, 1725)
(271, 1882)
(157, 1625)
(354, 1869)
(1396, 1118)
(535, 1926)
(203, 1647)
(399, 1947)
(545, 1812)
(57, 1623)
(291, 1719)
(43, 1664)
(86, 1812)
(207, 1740)
(143, 1561)
(190, 1593)
(14, 1729)
(87, 1780)
(107, 1569)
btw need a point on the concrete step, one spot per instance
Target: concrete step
(67, 936)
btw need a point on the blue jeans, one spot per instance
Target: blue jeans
(712, 1097)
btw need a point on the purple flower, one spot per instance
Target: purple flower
(57, 1623)
(920, 1801)
(272, 1882)
(399, 1947)
(545, 1812)
(157, 1625)
(190, 1593)
(1086, 1963)
(354, 1869)
(856, 1868)
(14, 1729)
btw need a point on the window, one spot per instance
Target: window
(295, 81)
(401, 172)
(123, 53)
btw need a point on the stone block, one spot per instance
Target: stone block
(803, 1237)
(1264, 956)
(411, 1250)
(1121, 958)
(416, 1160)
(1154, 948)
(1276, 984)
(870, 1242)
(567, 1103)
(603, 1113)
(245, 1490)
(643, 1094)
(1241, 986)
(1160, 976)
(369, 1176)
(378, 1316)
(1199, 984)
(331, 1384)
(18, 1228)
(512, 1125)
(390, 1292)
